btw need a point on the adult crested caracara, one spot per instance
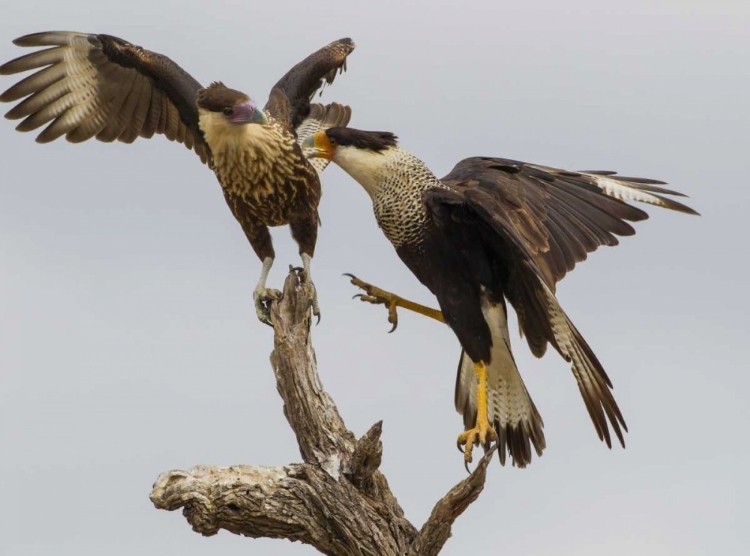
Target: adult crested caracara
(491, 230)
(104, 87)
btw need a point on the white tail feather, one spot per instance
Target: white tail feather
(510, 408)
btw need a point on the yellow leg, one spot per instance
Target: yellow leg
(482, 433)
(376, 296)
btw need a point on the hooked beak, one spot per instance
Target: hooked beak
(248, 113)
(318, 145)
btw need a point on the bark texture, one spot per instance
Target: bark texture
(336, 499)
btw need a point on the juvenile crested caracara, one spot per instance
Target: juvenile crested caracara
(491, 230)
(104, 87)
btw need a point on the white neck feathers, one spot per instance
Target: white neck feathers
(377, 170)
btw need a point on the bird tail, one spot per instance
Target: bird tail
(509, 406)
(321, 118)
(593, 382)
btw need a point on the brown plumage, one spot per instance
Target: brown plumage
(96, 85)
(494, 230)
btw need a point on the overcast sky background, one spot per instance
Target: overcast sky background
(128, 341)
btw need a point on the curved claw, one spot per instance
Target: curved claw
(466, 466)
(311, 305)
(376, 296)
(264, 316)
(460, 447)
(260, 298)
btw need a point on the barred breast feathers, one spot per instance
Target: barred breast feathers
(395, 180)
(252, 154)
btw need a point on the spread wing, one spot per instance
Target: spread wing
(289, 101)
(104, 87)
(535, 224)
(559, 215)
(321, 118)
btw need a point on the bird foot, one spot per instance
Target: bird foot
(262, 298)
(376, 296)
(305, 277)
(482, 434)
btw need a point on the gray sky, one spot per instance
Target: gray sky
(128, 342)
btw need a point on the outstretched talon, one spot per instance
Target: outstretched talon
(376, 296)
(262, 298)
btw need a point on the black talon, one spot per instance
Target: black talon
(357, 295)
(349, 275)
(395, 324)
(466, 466)
(317, 323)
(460, 447)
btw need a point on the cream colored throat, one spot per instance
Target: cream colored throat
(225, 137)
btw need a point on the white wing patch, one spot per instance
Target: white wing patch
(321, 118)
(309, 126)
(623, 188)
(624, 191)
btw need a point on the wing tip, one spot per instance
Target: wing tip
(641, 190)
(45, 38)
(676, 206)
(346, 42)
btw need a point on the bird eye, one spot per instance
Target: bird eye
(228, 111)
(332, 141)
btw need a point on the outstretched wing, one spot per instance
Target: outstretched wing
(104, 87)
(289, 101)
(561, 216)
(322, 118)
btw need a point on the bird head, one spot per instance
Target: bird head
(361, 154)
(340, 143)
(220, 104)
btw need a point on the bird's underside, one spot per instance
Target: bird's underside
(99, 86)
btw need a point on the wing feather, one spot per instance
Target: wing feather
(289, 101)
(101, 86)
(137, 119)
(561, 216)
(322, 118)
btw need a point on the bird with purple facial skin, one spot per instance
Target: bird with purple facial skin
(96, 85)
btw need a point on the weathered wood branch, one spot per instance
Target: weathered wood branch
(337, 500)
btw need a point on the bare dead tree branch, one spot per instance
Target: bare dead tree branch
(337, 500)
